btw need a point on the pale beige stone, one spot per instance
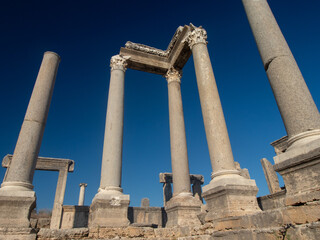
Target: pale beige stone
(271, 176)
(16, 196)
(81, 194)
(178, 143)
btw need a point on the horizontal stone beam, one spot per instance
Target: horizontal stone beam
(167, 178)
(45, 163)
(152, 60)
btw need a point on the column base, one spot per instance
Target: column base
(300, 168)
(16, 207)
(109, 209)
(183, 210)
(230, 196)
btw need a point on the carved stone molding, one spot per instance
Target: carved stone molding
(155, 51)
(197, 35)
(173, 75)
(119, 62)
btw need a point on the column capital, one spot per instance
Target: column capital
(83, 184)
(173, 75)
(119, 62)
(197, 35)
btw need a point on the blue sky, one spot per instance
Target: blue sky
(87, 33)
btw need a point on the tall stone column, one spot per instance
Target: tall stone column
(81, 194)
(178, 142)
(228, 193)
(183, 208)
(17, 198)
(110, 206)
(297, 108)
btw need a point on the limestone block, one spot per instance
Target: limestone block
(109, 210)
(271, 201)
(300, 169)
(16, 207)
(271, 176)
(183, 211)
(17, 234)
(230, 196)
(74, 217)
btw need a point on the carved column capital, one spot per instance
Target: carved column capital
(197, 35)
(173, 75)
(119, 62)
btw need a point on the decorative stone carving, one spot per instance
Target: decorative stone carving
(146, 49)
(173, 75)
(115, 201)
(119, 62)
(198, 35)
(155, 51)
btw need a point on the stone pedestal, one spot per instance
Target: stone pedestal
(109, 210)
(300, 169)
(75, 217)
(16, 207)
(229, 196)
(183, 210)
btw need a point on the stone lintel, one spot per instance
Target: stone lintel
(145, 62)
(152, 60)
(280, 145)
(45, 163)
(167, 178)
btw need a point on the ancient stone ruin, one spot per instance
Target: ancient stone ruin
(231, 209)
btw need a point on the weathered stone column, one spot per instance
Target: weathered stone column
(226, 186)
(298, 110)
(17, 198)
(178, 142)
(110, 206)
(81, 194)
(183, 208)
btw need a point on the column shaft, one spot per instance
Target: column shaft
(28, 145)
(215, 126)
(112, 148)
(297, 108)
(81, 194)
(178, 143)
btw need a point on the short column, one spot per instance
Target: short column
(183, 208)
(81, 194)
(227, 188)
(297, 108)
(17, 188)
(110, 206)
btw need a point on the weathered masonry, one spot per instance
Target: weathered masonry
(231, 209)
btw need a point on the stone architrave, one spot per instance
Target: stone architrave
(271, 176)
(17, 198)
(63, 166)
(299, 162)
(81, 194)
(109, 207)
(228, 194)
(182, 209)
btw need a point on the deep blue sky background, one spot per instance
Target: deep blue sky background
(87, 33)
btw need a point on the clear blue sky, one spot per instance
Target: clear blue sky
(87, 33)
